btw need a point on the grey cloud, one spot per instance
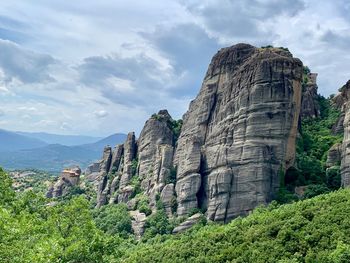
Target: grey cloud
(240, 18)
(336, 40)
(141, 78)
(189, 50)
(27, 66)
(2, 113)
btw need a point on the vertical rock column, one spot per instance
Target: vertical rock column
(155, 154)
(239, 133)
(343, 100)
(103, 186)
(130, 149)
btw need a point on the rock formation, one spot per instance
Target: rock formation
(334, 155)
(342, 102)
(310, 107)
(145, 164)
(239, 134)
(237, 140)
(68, 178)
(188, 223)
(155, 154)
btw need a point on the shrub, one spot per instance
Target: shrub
(113, 219)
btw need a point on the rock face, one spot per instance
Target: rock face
(68, 178)
(147, 161)
(239, 133)
(187, 224)
(92, 171)
(237, 139)
(155, 154)
(334, 155)
(138, 223)
(310, 107)
(343, 103)
(115, 172)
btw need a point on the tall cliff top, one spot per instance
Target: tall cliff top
(343, 96)
(230, 58)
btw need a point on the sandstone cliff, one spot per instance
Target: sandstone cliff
(237, 140)
(142, 166)
(310, 107)
(342, 102)
(239, 133)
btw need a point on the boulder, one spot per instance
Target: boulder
(187, 224)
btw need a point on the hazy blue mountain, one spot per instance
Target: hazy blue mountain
(68, 140)
(111, 140)
(11, 141)
(54, 157)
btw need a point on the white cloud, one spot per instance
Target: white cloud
(100, 113)
(99, 67)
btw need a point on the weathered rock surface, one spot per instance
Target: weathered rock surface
(239, 132)
(155, 154)
(92, 172)
(237, 137)
(103, 186)
(138, 223)
(168, 198)
(68, 178)
(334, 155)
(130, 149)
(342, 98)
(310, 107)
(188, 223)
(342, 101)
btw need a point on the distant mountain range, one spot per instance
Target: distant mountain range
(51, 152)
(68, 140)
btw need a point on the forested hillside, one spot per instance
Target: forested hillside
(34, 230)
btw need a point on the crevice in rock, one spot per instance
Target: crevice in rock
(202, 198)
(229, 196)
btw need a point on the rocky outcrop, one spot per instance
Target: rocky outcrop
(103, 186)
(130, 149)
(310, 107)
(115, 171)
(138, 221)
(155, 154)
(239, 133)
(188, 223)
(237, 138)
(334, 155)
(342, 98)
(92, 172)
(68, 178)
(342, 101)
(168, 199)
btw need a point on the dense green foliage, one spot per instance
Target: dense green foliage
(314, 230)
(114, 219)
(68, 229)
(34, 230)
(315, 139)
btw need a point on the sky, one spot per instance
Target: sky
(100, 67)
